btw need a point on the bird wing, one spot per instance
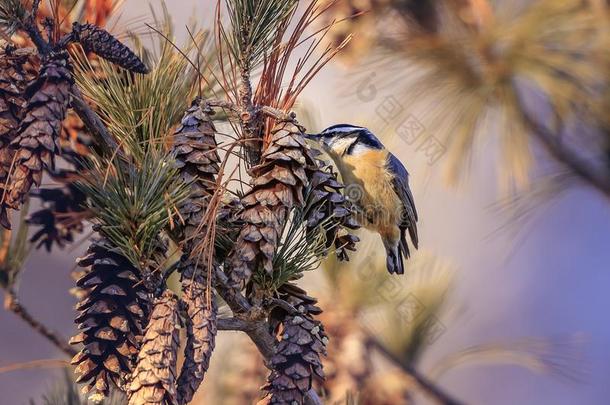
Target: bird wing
(401, 186)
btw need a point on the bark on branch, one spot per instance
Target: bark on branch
(11, 303)
(91, 120)
(248, 320)
(427, 386)
(581, 167)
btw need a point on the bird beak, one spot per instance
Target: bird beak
(313, 137)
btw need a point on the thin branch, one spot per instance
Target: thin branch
(11, 303)
(91, 120)
(561, 152)
(222, 104)
(285, 305)
(427, 386)
(50, 363)
(257, 329)
(278, 114)
(234, 324)
(234, 299)
(264, 342)
(31, 28)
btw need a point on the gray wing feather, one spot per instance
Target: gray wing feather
(401, 186)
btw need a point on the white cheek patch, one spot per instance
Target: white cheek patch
(359, 149)
(339, 145)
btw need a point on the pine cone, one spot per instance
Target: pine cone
(198, 162)
(277, 186)
(154, 379)
(302, 342)
(328, 208)
(102, 43)
(62, 213)
(201, 329)
(13, 81)
(112, 317)
(37, 140)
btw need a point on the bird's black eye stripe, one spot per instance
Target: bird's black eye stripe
(351, 148)
(368, 139)
(338, 134)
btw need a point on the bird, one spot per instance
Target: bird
(377, 183)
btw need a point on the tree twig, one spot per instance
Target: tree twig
(580, 166)
(234, 299)
(49, 363)
(30, 27)
(11, 303)
(427, 386)
(256, 327)
(91, 120)
(233, 324)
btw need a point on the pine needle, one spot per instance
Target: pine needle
(464, 80)
(253, 27)
(131, 203)
(558, 357)
(14, 250)
(12, 12)
(142, 110)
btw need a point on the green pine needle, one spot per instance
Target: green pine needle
(17, 251)
(133, 205)
(11, 13)
(67, 392)
(254, 24)
(299, 251)
(142, 110)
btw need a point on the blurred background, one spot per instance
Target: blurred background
(497, 109)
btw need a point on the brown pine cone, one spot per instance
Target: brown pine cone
(298, 354)
(13, 81)
(198, 161)
(154, 379)
(200, 327)
(36, 142)
(329, 209)
(277, 186)
(100, 42)
(112, 316)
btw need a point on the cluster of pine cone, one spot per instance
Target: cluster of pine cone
(128, 328)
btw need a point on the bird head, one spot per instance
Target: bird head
(346, 139)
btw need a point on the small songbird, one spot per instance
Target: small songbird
(378, 185)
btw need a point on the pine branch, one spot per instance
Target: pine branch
(93, 122)
(263, 341)
(427, 386)
(253, 24)
(553, 144)
(11, 13)
(35, 364)
(11, 303)
(234, 324)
